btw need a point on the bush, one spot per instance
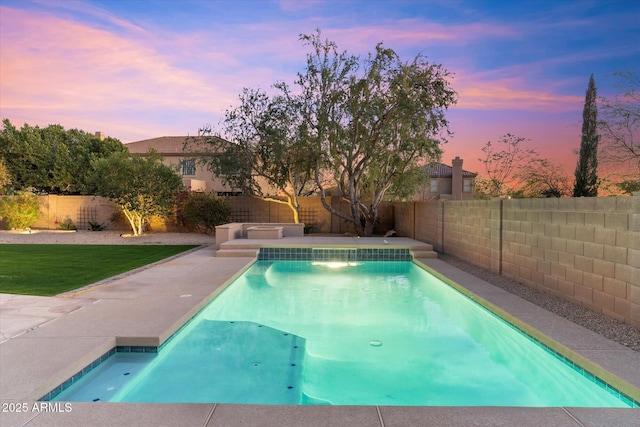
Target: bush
(20, 211)
(96, 226)
(202, 211)
(67, 224)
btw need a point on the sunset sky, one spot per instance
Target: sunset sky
(138, 69)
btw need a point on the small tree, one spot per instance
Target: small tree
(141, 186)
(20, 211)
(620, 131)
(586, 183)
(504, 163)
(202, 211)
(262, 153)
(545, 178)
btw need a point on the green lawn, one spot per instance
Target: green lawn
(48, 270)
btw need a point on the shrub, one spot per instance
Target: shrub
(20, 211)
(202, 211)
(67, 224)
(96, 226)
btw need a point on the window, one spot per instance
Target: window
(434, 185)
(467, 184)
(188, 167)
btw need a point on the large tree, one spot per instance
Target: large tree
(140, 185)
(52, 159)
(370, 121)
(260, 150)
(5, 179)
(586, 183)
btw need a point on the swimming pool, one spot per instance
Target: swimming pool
(344, 333)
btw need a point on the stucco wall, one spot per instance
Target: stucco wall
(82, 209)
(586, 250)
(85, 209)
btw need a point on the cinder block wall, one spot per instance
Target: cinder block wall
(79, 209)
(252, 209)
(405, 219)
(467, 230)
(82, 209)
(586, 250)
(420, 221)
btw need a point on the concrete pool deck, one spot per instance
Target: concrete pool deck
(145, 307)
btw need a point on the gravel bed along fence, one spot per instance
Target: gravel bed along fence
(604, 325)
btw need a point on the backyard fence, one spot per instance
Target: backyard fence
(585, 250)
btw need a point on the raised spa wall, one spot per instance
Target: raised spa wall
(240, 230)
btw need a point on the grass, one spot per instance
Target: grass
(48, 270)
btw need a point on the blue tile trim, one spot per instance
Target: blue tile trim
(584, 372)
(335, 254)
(84, 371)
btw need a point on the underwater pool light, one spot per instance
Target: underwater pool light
(335, 264)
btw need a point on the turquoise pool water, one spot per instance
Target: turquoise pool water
(350, 333)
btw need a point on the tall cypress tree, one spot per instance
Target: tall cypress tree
(586, 184)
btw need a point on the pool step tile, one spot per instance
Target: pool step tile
(424, 254)
(238, 253)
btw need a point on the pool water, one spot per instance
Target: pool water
(359, 333)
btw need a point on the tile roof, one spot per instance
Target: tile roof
(165, 145)
(440, 170)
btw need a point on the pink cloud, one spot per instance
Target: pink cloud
(554, 136)
(50, 63)
(476, 93)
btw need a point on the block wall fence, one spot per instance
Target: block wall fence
(84, 209)
(585, 250)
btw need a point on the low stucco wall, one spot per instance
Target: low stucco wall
(79, 209)
(82, 210)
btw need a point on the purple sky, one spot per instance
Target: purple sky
(142, 69)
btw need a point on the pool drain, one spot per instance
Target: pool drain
(375, 343)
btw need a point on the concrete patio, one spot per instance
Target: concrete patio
(48, 340)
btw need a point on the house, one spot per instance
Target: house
(448, 182)
(182, 158)
(195, 177)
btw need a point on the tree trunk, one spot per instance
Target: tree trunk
(135, 221)
(370, 222)
(291, 202)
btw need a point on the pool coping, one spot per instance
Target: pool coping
(54, 345)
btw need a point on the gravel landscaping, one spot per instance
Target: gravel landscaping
(597, 322)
